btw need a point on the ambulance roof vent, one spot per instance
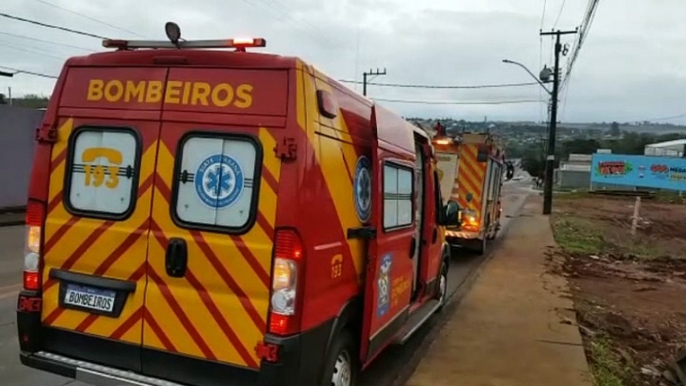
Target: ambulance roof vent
(175, 41)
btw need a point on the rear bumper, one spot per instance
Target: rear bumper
(455, 236)
(89, 372)
(105, 362)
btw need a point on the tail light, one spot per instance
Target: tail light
(35, 212)
(284, 315)
(470, 220)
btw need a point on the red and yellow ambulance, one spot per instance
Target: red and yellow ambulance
(219, 217)
(471, 169)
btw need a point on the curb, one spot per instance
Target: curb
(4, 224)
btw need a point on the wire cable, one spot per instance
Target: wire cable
(52, 26)
(89, 18)
(30, 51)
(45, 41)
(560, 13)
(398, 85)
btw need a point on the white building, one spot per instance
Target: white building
(675, 148)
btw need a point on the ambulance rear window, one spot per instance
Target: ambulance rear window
(216, 182)
(101, 173)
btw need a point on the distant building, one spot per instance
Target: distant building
(675, 148)
(575, 172)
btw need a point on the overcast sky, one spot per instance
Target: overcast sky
(631, 67)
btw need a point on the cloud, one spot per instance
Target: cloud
(631, 66)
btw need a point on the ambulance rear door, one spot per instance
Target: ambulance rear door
(213, 222)
(98, 214)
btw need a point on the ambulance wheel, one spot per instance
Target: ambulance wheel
(341, 362)
(442, 294)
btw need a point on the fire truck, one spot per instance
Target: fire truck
(470, 170)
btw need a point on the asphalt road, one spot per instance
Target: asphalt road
(386, 370)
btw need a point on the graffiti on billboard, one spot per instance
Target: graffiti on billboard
(640, 171)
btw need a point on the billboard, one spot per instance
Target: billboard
(640, 171)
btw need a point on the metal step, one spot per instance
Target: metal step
(102, 375)
(417, 319)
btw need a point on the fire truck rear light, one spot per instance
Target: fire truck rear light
(279, 324)
(33, 237)
(288, 252)
(34, 213)
(288, 245)
(31, 281)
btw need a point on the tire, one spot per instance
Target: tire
(442, 293)
(481, 246)
(493, 235)
(341, 365)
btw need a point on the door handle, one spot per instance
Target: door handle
(434, 236)
(176, 257)
(413, 246)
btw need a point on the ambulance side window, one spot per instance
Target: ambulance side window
(216, 182)
(102, 172)
(397, 196)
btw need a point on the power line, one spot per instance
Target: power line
(18, 71)
(545, 2)
(503, 102)
(560, 13)
(398, 85)
(52, 26)
(30, 51)
(46, 41)
(89, 17)
(662, 119)
(583, 35)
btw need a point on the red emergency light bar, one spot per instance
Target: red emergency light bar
(240, 44)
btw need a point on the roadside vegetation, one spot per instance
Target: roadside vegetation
(629, 292)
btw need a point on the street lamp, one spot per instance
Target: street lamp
(545, 75)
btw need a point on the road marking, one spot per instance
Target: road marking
(9, 291)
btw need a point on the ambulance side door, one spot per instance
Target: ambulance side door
(389, 265)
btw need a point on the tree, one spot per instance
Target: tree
(579, 146)
(614, 130)
(533, 160)
(31, 101)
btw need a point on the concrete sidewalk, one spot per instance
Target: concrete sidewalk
(513, 328)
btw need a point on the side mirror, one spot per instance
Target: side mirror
(451, 214)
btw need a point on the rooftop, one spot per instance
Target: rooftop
(677, 142)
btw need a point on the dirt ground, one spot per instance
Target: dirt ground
(629, 292)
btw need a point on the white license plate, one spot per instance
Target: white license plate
(88, 297)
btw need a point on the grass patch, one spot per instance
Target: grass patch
(605, 364)
(667, 197)
(576, 235)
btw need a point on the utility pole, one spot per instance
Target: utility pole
(550, 159)
(370, 74)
